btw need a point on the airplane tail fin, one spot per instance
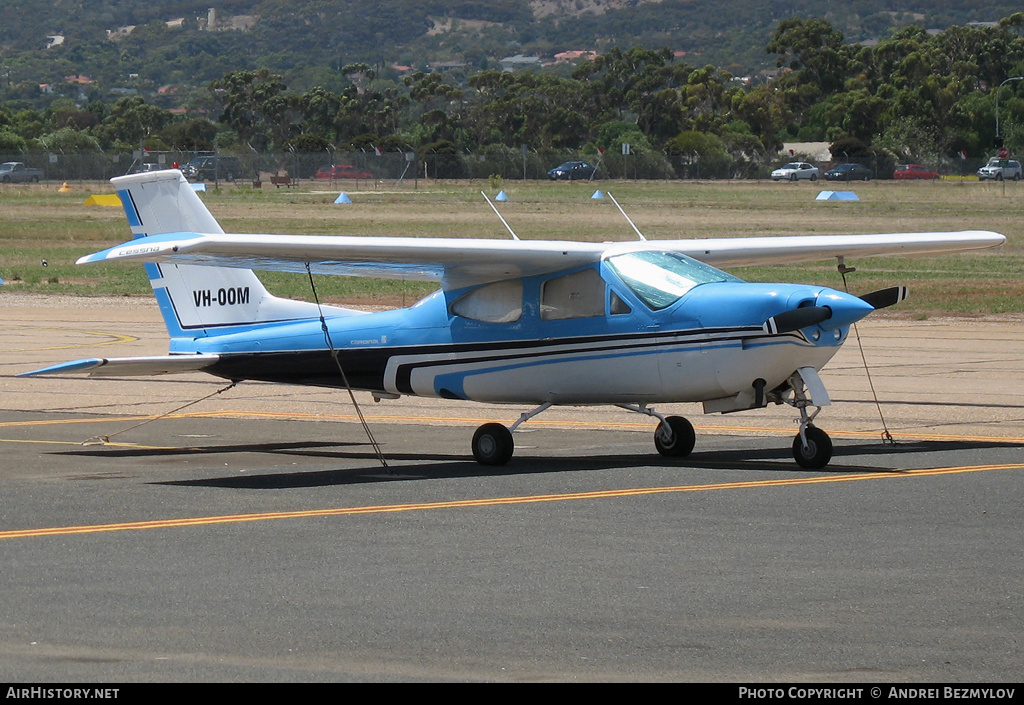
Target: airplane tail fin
(197, 301)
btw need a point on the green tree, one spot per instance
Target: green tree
(131, 122)
(256, 106)
(190, 134)
(705, 150)
(813, 49)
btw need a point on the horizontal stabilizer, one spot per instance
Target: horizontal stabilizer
(129, 366)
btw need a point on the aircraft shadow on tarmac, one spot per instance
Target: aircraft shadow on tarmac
(426, 466)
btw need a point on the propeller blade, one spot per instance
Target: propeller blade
(885, 297)
(796, 319)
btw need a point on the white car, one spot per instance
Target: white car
(795, 171)
(1000, 169)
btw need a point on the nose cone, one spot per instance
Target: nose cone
(825, 309)
(846, 308)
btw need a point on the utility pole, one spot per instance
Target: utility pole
(1012, 78)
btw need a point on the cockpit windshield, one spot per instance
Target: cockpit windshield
(659, 279)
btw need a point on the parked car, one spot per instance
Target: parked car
(341, 171)
(212, 167)
(16, 172)
(572, 171)
(914, 171)
(794, 171)
(1000, 169)
(849, 172)
(147, 167)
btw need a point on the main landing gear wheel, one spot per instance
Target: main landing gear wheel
(818, 451)
(674, 437)
(493, 444)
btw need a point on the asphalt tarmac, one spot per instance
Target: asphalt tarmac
(254, 535)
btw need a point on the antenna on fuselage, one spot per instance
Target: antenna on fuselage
(635, 229)
(493, 208)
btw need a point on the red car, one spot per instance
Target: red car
(342, 171)
(914, 171)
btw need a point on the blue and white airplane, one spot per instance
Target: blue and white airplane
(527, 322)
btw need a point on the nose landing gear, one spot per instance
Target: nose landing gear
(812, 448)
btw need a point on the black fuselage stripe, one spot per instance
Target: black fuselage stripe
(403, 376)
(366, 368)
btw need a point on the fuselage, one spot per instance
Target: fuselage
(589, 336)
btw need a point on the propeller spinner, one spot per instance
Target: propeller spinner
(844, 307)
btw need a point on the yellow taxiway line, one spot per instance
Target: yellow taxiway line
(394, 418)
(115, 338)
(489, 502)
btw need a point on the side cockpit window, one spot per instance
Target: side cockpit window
(616, 306)
(500, 302)
(577, 295)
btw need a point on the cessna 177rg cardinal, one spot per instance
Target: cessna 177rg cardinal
(528, 322)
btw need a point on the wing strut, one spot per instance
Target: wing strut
(493, 208)
(635, 229)
(344, 377)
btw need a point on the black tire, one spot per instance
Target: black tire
(814, 177)
(493, 444)
(818, 451)
(682, 440)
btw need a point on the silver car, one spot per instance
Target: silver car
(794, 171)
(1000, 169)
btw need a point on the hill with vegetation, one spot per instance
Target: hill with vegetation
(122, 42)
(304, 77)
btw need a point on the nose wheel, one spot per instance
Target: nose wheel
(812, 448)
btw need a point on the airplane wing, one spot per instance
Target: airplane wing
(744, 251)
(454, 262)
(457, 262)
(129, 366)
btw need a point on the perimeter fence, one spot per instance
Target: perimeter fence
(508, 164)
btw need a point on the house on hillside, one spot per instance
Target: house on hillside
(119, 33)
(519, 63)
(571, 57)
(216, 23)
(445, 66)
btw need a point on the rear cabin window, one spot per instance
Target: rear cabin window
(500, 302)
(578, 295)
